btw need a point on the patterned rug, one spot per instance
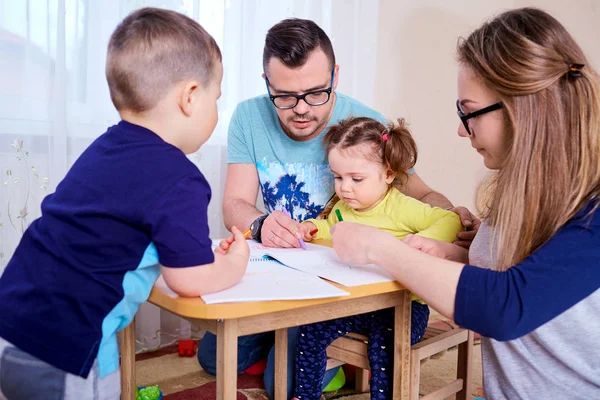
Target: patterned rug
(181, 378)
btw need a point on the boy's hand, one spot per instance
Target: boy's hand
(426, 245)
(224, 245)
(305, 229)
(238, 247)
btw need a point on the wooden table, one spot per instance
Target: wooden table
(229, 321)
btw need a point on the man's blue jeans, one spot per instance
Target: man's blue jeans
(253, 348)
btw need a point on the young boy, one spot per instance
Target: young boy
(131, 207)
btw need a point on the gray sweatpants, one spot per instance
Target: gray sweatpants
(24, 377)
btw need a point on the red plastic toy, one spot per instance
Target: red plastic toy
(187, 347)
(258, 368)
(350, 372)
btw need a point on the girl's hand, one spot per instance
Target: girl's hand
(305, 230)
(426, 245)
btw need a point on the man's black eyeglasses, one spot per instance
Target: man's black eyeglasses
(314, 98)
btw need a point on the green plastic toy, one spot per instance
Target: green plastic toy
(338, 381)
(148, 393)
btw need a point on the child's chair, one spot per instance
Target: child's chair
(352, 349)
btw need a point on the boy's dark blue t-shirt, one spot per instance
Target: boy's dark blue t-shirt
(82, 269)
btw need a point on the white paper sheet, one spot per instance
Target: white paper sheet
(322, 261)
(269, 280)
(257, 250)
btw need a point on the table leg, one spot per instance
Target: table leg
(281, 359)
(128, 362)
(465, 367)
(227, 348)
(402, 348)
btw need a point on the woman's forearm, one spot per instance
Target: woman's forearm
(433, 279)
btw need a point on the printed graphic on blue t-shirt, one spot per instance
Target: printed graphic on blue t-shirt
(303, 189)
(294, 175)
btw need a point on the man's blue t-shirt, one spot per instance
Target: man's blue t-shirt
(294, 175)
(81, 270)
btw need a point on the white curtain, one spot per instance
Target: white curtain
(54, 100)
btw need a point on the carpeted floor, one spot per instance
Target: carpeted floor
(181, 378)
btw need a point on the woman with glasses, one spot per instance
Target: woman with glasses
(529, 102)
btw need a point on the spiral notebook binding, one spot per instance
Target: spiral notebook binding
(264, 258)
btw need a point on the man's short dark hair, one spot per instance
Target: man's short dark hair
(293, 40)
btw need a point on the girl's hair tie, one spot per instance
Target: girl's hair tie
(384, 137)
(575, 70)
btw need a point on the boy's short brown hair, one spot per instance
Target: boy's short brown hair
(152, 49)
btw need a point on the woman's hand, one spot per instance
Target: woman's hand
(433, 279)
(354, 243)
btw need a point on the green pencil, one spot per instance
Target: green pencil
(339, 215)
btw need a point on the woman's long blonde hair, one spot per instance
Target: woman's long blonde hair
(552, 112)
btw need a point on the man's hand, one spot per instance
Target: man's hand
(279, 230)
(469, 221)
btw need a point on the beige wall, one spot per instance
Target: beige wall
(416, 76)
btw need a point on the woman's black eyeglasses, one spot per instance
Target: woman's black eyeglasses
(466, 117)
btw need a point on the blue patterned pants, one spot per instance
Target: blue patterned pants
(313, 339)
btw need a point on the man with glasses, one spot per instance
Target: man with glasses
(275, 144)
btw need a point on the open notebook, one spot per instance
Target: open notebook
(266, 279)
(323, 261)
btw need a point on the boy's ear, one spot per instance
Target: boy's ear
(189, 95)
(390, 176)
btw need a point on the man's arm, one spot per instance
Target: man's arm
(239, 208)
(239, 199)
(416, 188)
